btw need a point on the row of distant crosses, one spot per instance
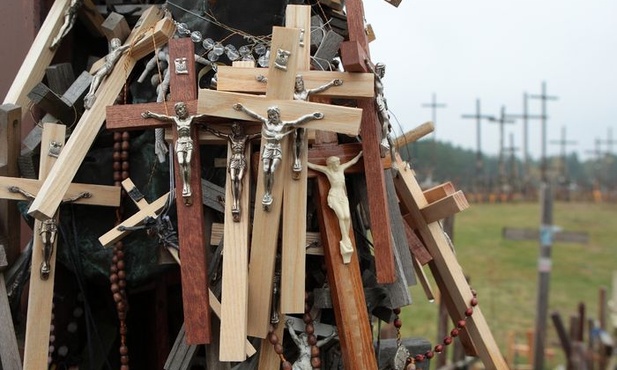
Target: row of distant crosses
(503, 184)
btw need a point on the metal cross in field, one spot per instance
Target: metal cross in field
(479, 183)
(434, 106)
(501, 166)
(279, 93)
(183, 87)
(544, 98)
(40, 297)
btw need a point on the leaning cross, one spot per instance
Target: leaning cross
(266, 223)
(150, 29)
(190, 213)
(43, 256)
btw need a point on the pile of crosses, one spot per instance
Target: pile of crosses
(336, 256)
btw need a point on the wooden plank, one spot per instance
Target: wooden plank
(447, 269)
(102, 195)
(293, 253)
(268, 358)
(234, 299)
(115, 26)
(9, 352)
(266, 224)
(347, 292)
(10, 131)
(40, 293)
(38, 58)
(371, 137)
(149, 28)
(414, 135)
(354, 84)
(344, 120)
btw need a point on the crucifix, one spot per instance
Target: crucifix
(478, 116)
(266, 223)
(45, 235)
(150, 29)
(344, 279)
(502, 120)
(183, 84)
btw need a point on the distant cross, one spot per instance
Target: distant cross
(434, 106)
(189, 206)
(478, 117)
(609, 152)
(596, 152)
(563, 143)
(525, 116)
(501, 121)
(513, 173)
(543, 117)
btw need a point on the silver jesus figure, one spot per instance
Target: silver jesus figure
(273, 130)
(302, 93)
(115, 52)
(184, 144)
(237, 161)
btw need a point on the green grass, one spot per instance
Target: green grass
(504, 272)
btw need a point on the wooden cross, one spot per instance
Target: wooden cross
(40, 297)
(266, 223)
(345, 280)
(190, 214)
(425, 210)
(150, 29)
(354, 53)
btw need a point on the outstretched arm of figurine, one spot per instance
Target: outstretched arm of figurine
(160, 117)
(306, 118)
(292, 333)
(216, 133)
(335, 82)
(353, 161)
(320, 343)
(316, 167)
(240, 107)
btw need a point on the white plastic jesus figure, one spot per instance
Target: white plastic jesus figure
(337, 198)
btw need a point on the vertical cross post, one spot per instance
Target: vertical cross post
(433, 105)
(371, 137)
(183, 86)
(478, 116)
(501, 165)
(544, 98)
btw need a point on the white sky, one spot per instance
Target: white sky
(496, 50)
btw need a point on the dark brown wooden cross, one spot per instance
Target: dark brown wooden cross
(183, 88)
(353, 54)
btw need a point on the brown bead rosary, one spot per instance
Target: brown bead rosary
(117, 274)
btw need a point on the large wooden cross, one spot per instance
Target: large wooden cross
(150, 30)
(279, 93)
(41, 290)
(183, 87)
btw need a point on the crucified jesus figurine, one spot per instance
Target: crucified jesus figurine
(337, 198)
(301, 93)
(237, 162)
(303, 362)
(115, 52)
(273, 130)
(70, 15)
(184, 144)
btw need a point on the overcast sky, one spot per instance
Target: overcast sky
(495, 50)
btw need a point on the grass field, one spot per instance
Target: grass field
(504, 272)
